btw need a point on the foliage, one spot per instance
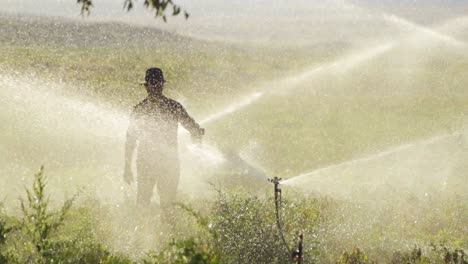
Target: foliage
(450, 255)
(190, 251)
(159, 6)
(85, 6)
(415, 256)
(34, 239)
(38, 221)
(202, 220)
(75, 251)
(434, 254)
(242, 227)
(354, 257)
(4, 232)
(248, 230)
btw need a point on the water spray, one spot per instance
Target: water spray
(297, 254)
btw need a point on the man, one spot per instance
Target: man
(154, 123)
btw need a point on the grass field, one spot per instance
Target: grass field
(68, 86)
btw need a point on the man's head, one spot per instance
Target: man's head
(154, 81)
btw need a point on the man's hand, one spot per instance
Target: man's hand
(197, 137)
(128, 175)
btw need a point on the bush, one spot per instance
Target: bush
(450, 255)
(38, 221)
(435, 254)
(413, 257)
(190, 251)
(237, 227)
(34, 239)
(242, 227)
(5, 231)
(355, 257)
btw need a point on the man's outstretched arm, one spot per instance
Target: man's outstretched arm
(189, 123)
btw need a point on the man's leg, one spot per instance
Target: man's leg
(167, 184)
(145, 183)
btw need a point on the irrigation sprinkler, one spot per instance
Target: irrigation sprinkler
(297, 254)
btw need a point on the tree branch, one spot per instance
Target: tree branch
(159, 6)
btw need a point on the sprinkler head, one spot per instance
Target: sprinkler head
(275, 180)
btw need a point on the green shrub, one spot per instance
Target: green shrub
(35, 238)
(355, 257)
(435, 254)
(4, 233)
(413, 257)
(39, 222)
(236, 227)
(449, 255)
(190, 251)
(4, 230)
(242, 227)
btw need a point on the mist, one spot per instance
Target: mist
(358, 106)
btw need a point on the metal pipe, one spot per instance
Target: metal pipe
(277, 190)
(298, 254)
